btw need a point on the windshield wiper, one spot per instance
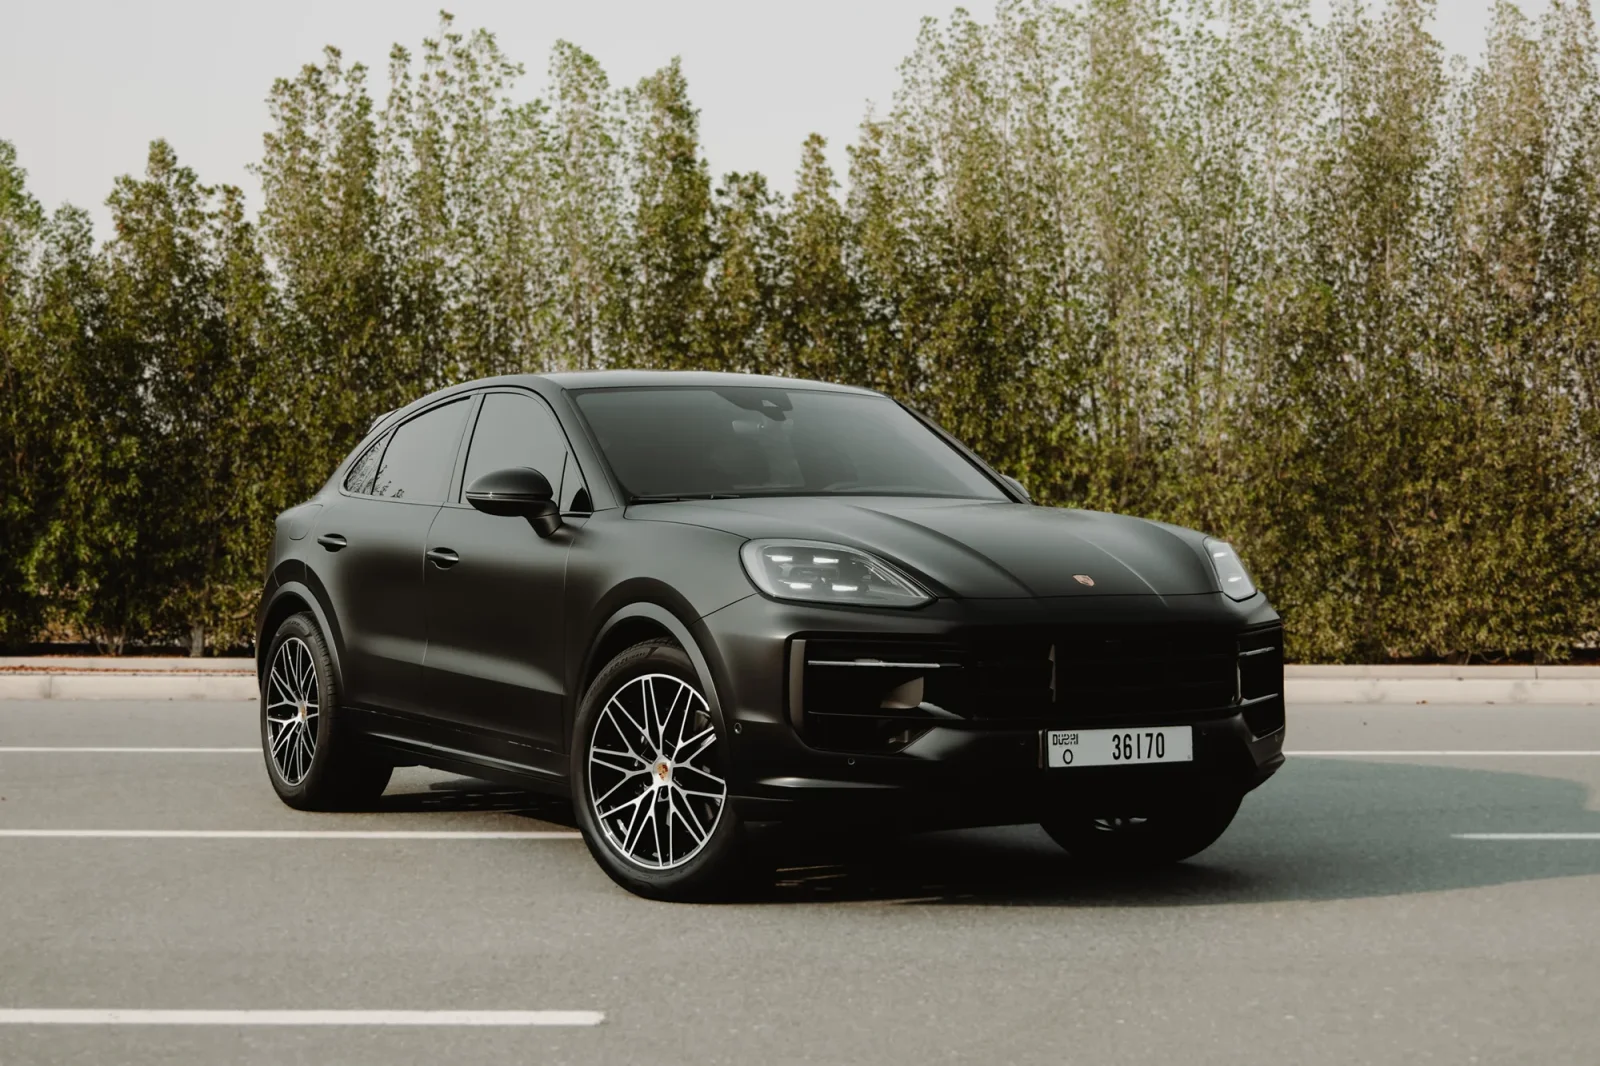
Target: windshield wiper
(673, 497)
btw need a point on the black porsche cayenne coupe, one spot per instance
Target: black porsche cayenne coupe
(696, 602)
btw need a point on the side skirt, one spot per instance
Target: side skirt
(466, 753)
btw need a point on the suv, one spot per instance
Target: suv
(692, 602)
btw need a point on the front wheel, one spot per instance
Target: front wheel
(650, 778)
(1165, 836)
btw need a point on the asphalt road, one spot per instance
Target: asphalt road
(1341, 920)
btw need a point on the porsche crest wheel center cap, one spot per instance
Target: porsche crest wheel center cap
(663, 774)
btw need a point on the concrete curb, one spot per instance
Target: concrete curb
(1414, 690)
(130, 664)
(71, 678)
(109, 686)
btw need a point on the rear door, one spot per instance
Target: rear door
(371, 559)
(494, 587)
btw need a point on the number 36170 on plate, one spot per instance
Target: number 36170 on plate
(1117, 747)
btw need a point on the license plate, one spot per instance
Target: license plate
(1118, 747)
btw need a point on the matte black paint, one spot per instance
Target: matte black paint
(474, 658)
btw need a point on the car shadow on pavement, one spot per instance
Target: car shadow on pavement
(1324, 829)
(468, 794)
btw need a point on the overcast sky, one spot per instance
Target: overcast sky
(85, 86)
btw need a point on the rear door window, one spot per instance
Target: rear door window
(421, 453)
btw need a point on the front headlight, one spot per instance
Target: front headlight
(1231, 574)
(814, 572)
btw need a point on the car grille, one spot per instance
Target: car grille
(878, 694)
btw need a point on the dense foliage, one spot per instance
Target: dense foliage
(1316, 288)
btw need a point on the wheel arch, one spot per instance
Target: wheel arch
(293, 598)
(635, 623)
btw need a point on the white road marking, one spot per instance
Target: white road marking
(1526, 836)
(1449, 754)
(302, 1017)
(295, 834)
(133, 751)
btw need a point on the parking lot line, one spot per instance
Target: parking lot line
(296, 834)
(1526, 836)
(131, 751)
(1478, 754)
(304, 1017)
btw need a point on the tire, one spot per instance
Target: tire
(314, 762)
(650, 794)
(1129, 843)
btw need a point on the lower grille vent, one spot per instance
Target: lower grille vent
(1029, 676)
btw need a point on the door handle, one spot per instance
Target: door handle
(443, 558)
(332, 541)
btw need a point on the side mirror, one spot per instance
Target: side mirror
(519, 491)
(1017, 487)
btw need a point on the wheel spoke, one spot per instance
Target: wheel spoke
(616, 704)
(612, 791)
(303, 749)
(292, 671)
(640, 812)
(625, 735)
(283, 734)
(692, 822)
(703, 773)
(594, 757)
(624, 805)
(704, 739)
(666, 719)
(654, 733)
(282, 686)
(671, 851)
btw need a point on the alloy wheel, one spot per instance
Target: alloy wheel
(292, 708)
(652, 785)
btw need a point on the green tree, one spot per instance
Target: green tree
(27, 469)
(85, 560)
(187, 304)
(819, 304)
(585, 211)
(670, 247)
(343, 350)
(741, 331)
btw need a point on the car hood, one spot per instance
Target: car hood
(975, 548)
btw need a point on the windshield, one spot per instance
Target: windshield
(673, 442)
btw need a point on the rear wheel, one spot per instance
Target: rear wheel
(649, 773)
(314, 763)
(1163, 837)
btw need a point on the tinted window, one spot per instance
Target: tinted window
(773, 442)
(520, 430)
(416, 464)
(359, 479)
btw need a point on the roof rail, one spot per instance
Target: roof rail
(380, 418)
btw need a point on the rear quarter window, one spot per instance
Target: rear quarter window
(359, 479)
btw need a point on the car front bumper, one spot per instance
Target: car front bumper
(979, 769)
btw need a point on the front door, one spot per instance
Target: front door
(496, 634)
